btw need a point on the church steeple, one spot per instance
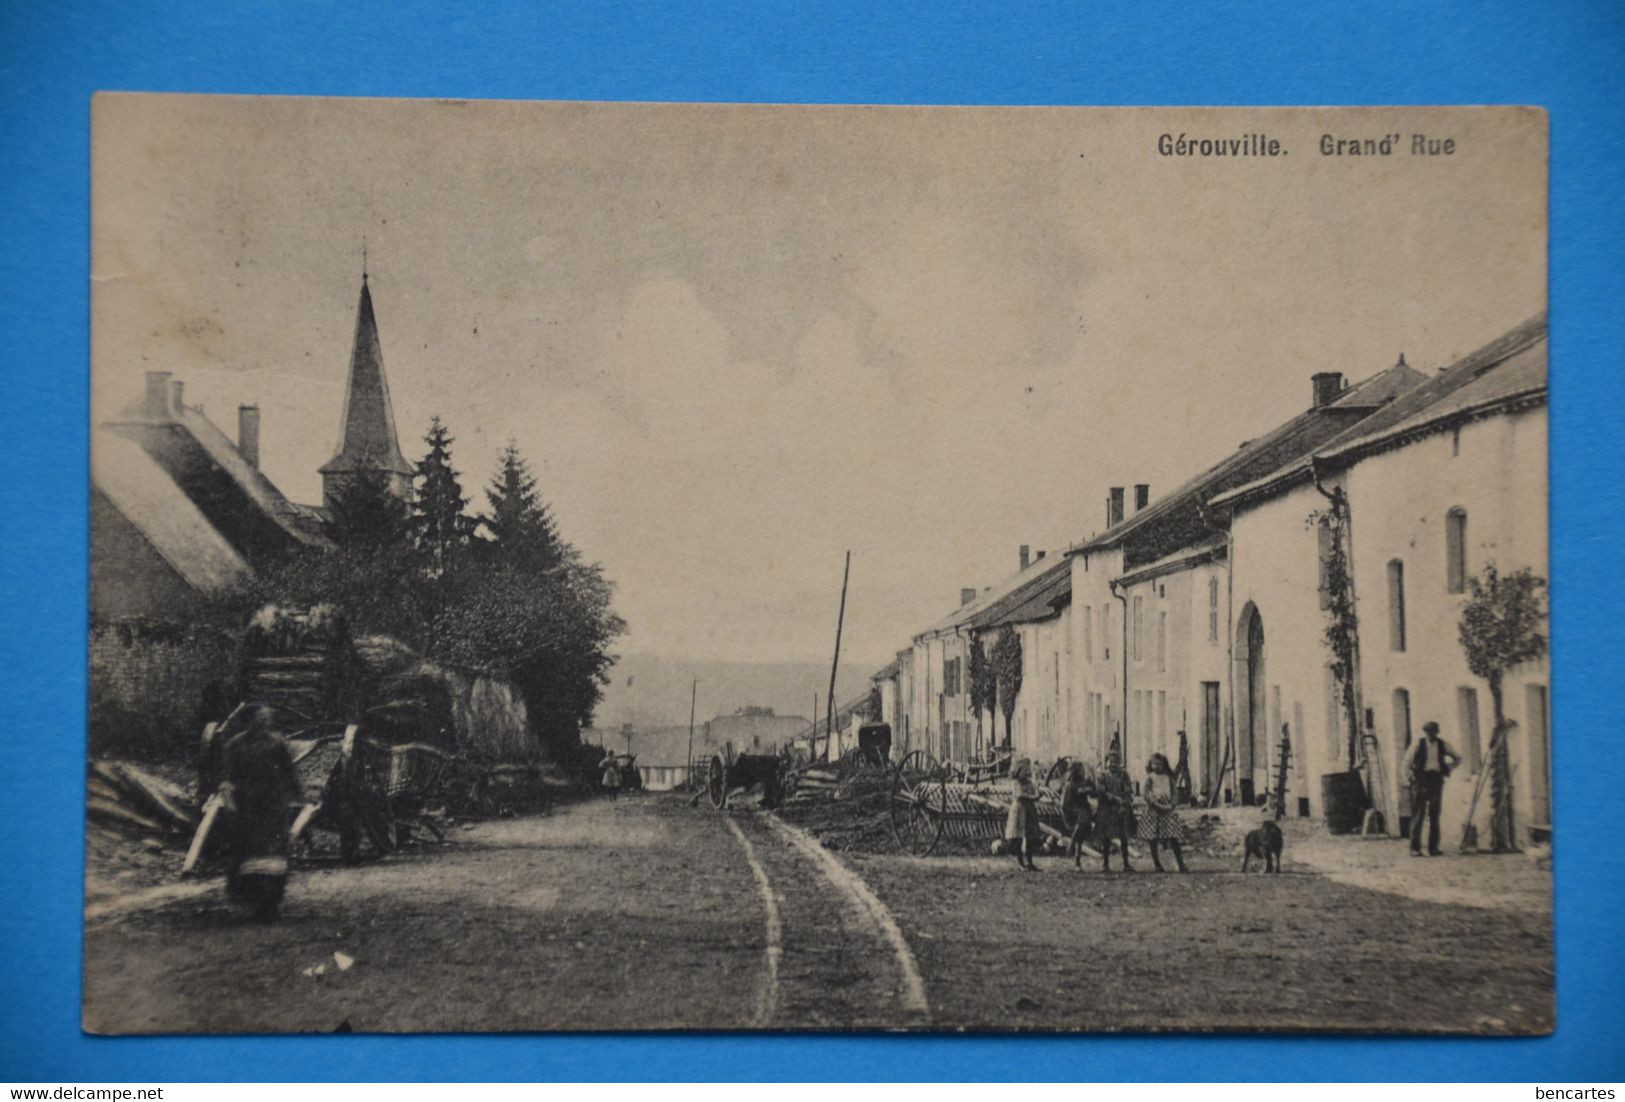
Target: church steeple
(367, 440)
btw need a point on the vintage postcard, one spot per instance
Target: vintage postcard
(606, 566)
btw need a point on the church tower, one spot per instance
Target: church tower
(367, 440)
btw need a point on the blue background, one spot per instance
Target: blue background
(1566, 56)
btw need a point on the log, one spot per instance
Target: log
(155, 795)
(211, 810)
(111, 811)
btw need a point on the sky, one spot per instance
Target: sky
(736, 341)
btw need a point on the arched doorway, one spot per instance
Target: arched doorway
(1251, 725)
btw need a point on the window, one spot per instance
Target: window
(1162, 641)
(950, 677)
(1402, 719)
(1139, 624)
(1162, 719)
(1106, 631)
(1088, 633)
(1213, 610)
(1057, 675)
(1472, 752)
(1455, 551)
(1396, 605)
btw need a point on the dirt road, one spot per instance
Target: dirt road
(648, 914)
(637, 914)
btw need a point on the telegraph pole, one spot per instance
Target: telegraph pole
(840, 621)
(693, 693)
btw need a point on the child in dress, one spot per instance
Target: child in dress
(1021, 835)
(1075, 809)
(1160, 825)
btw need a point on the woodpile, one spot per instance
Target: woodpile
(135, 800)
(301, 661)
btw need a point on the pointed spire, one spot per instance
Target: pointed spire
(367, 439)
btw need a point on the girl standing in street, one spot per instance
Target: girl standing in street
(1114, 818)
(1021, 828)
(1075, 810)
(1161, 823)
(611, 778)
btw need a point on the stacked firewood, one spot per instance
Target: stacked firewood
(301, 662)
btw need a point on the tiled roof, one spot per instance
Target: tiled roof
(1207, 550)
(1043, 598)
(1036, 571)
(150, 500)
(1284, 445)
(1508, 370)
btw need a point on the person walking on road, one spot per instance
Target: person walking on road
(1160, 825)
(611, 779)
(1429, 762)
(1021, 826)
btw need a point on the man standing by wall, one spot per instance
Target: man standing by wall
(1428, 764)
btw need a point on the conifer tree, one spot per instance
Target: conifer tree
(520, 525)
(439, 525)
(366, 513)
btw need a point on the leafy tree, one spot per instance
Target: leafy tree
(520, 525)
(984, 688)
(439, 526)
(1503, 625)
(1006, 663)
(364, 512)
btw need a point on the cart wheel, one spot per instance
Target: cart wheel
(1057, 772)
(918, 764)
(716, 782)
(915, 824)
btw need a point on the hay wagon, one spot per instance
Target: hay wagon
(934, 801)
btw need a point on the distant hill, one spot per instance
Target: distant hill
(651, 691)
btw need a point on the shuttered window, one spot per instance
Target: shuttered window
(1455, 551)
(1396, 605)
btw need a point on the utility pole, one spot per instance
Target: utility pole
(693, 692)
(835, 665)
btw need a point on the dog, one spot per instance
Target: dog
(1266, 843)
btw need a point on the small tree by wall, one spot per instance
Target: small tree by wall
(1503, 625)
(1006, 662)
(983, 682)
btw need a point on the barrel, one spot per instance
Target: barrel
(1343, 801)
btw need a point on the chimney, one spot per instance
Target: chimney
(158, 395)
(1026, 556)
(1114, 507)
(248, 434)
(966, 596)
(1327, 385)
(1040, 557)
(1142, 495)
(175, 386)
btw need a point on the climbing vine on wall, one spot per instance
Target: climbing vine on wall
(1337, 597)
